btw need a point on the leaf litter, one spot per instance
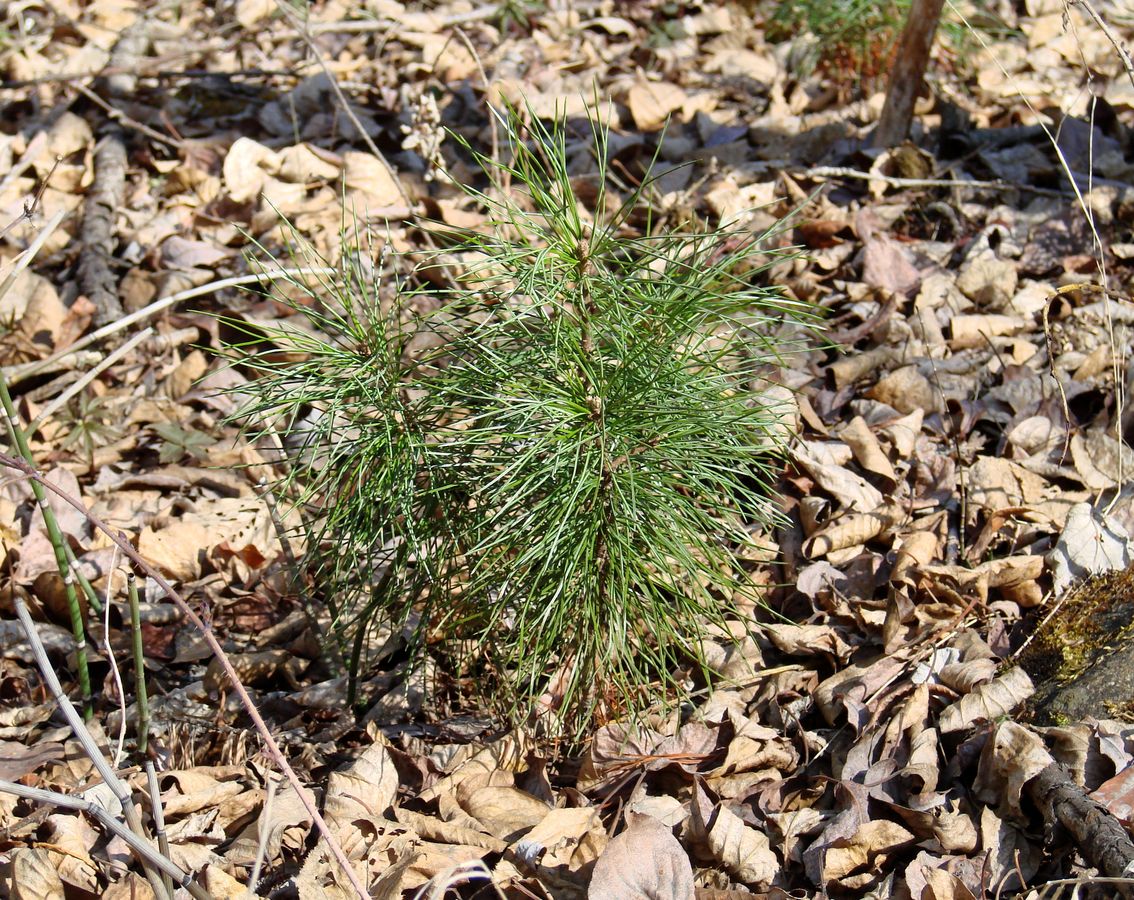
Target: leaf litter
(962, 458)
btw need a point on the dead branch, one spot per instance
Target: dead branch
(1100, 837)
(96, 279)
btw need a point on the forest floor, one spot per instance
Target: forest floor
(962, 452)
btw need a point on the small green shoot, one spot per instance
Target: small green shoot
(180, 442)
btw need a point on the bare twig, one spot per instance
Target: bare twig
(118, 116)
(100, 209)
(894, 181)
(105, 363)
(148, 856)
(262, 843)
(16, 374)
(25, 258)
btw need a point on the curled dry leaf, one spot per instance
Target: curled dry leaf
(852, 490)
(988, 702)
(644, 862)
(1012, 757)
(851, 530)
(504, 812)
(745, 853)
(651, 103)
(1091, 543)
(866, 449)
(872, 841)
(369, 785)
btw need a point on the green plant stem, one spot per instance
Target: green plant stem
(88, 589)
(140, 695)
(59, 545)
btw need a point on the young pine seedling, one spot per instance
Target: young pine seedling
(547, 470)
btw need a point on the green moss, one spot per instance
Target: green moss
(1094, 619)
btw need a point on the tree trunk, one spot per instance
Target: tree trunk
(908, 73)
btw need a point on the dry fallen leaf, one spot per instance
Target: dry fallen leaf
(644, 862)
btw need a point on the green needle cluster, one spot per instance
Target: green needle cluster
(547, 478)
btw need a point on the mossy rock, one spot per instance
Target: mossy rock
(1082, 657)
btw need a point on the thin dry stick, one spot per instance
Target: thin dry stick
(16, 374)
(1108, 32)
(90, 376)
(302, 28)
(480, 14)
(113, 660)
(894, 181)
(25, 258)
(111, 824)
(270, 745)
(262, 844)
(118, 116)
(147, 854)
(35, 149)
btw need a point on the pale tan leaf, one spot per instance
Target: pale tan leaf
(1011, 757)
(251, 12)
(221, 885)
(964, 677)
(367, 788)
(850, 530)
(505, 812)
(644, 862)
(321, 877)
(74, 839)
(976, 330)
(652, 102)
(852, 490)
(136, 887)
(507, 754)
(286, 829)
(368, 182)
(1091, 543)
(745, 853)
(887, 265)
(987, 281)
(997, 483)
(871, 840)
(907, 390)
(807, 640)
(246, 165)
(434, 829)
(34, 877)
(864, 444)
(988, 702)
(564, 843)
